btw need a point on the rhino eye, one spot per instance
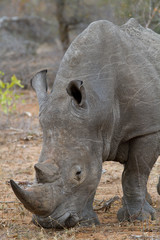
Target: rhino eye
(78, 175)
(78, 172)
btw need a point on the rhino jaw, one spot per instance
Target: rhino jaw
(38, 199)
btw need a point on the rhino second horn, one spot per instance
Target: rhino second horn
(39, 84)
(41, 173)
(46, 172)
(37, 200)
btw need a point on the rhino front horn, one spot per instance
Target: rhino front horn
(39, 84)
(37, 200)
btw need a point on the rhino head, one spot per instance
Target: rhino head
(69, 167)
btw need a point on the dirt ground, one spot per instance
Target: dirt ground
(20, 146)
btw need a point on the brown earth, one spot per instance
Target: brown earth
(20, 146)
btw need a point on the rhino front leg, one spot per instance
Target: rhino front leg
(89, 217)
(143, 152)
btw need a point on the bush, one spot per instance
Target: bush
(8, 97)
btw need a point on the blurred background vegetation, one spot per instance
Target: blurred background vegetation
(35, 34)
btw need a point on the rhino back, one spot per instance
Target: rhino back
(139, 78)
(120, 70)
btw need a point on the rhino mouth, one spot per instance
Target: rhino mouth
(47, 210)
(67, 220)
(52, 210)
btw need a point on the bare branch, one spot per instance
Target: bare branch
(152, 13)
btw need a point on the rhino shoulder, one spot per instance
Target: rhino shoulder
(146, 36)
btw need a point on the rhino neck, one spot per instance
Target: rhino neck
(111, 132)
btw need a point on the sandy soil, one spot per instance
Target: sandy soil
(20, 146)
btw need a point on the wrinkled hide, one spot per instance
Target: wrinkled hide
(104, 106)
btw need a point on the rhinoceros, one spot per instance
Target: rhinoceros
(104, 106)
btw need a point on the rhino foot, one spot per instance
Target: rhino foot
(89, 218)
(135, 211)
(148, 198)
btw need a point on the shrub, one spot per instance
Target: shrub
(8, 97)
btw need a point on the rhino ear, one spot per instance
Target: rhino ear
(39, 84)
(77, 91)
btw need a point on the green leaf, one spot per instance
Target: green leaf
(1, 73)
(8, 98)
(15, 81)
(16, 96)
(2, 84)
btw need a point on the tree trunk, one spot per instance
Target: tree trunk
(63, 24)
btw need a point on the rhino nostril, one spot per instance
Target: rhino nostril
(78, 175)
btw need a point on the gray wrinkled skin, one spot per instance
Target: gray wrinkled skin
(110, 112)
